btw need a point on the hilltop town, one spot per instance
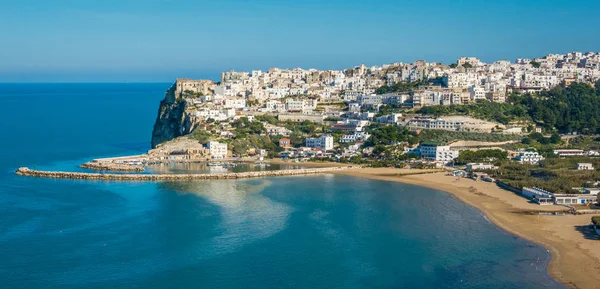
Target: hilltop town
(419, 114)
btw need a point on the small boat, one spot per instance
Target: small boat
(215, 164)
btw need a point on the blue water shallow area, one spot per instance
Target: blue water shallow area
(321, 231)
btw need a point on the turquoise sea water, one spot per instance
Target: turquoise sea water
(292, 232)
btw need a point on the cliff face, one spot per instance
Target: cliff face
(172, 120)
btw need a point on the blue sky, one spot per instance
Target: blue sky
(126, 40)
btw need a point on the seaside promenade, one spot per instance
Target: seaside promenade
(24, 171)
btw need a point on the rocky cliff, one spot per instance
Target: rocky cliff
(172, 120)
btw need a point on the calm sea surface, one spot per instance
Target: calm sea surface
(293, 232)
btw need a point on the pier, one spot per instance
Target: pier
(24, 171)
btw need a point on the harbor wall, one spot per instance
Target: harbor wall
(172, 177)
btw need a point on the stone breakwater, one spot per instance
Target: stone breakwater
(173, 177)
(107, 166)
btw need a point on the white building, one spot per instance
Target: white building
(529, 158)
(234, 103)
(585, 167)
(217, 150)
(357, 136)
(569, 153)
(436, 152)
(324, 142)
(539, 196)
(393, 118)
(429, 123)
(480, 166)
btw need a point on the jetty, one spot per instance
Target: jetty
(24, 171)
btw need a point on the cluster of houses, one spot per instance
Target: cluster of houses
(295, 94)
(466, 81)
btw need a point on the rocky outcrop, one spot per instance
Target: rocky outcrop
(110, 166)
(172, 177)
(171, 120)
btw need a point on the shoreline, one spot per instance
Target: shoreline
(575, 255)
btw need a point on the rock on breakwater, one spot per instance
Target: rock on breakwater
(108, 166)
(172, 177)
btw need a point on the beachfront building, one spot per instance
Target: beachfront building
(323, 142)
(571, 199)
(592, 191)
(436, 152)
(543, 197)
(585, 167)
(529, 158)
(539, 196)
(480, 167)
(217, 150)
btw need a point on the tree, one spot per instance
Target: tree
(555, 138)
(453, 65)
(378, 149)
(596, 219)
(467, 65)
(535, 64)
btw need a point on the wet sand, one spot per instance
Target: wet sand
(574, 245)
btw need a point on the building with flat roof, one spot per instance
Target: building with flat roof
(480, 166)
(569, 153)
(585, 167)
(217, 150)
(539, 196)
(436, 152)
(285, 142)
(529, 158)
(297, 117)
(323, 142)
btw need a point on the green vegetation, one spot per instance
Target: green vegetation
(495, 155)
(390, 108)
(388, 135)
(200, 135)
(535, 64)
(444, 136)
(467, 65)
(252, 102)
(557, 175)
(584, 142)
(267, 118)
(240, 146)
(191, 93)
(596, 221)
(400, 87)
(539, 138)
(499, 112)
(572, 109)
(244, 127)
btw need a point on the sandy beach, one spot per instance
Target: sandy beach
(574, 246)
(307, 164)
